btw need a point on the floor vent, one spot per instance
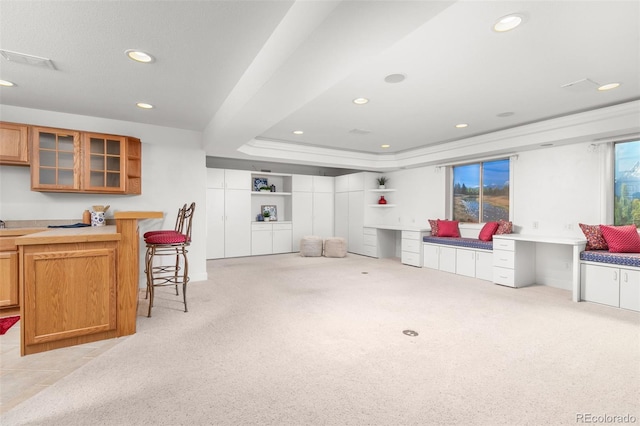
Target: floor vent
(410, 333)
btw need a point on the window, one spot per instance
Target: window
(481, 191)
(626, 204)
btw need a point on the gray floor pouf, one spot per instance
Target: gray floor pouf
(335, 247)
(311, 246)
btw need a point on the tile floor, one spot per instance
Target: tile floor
(23, 377)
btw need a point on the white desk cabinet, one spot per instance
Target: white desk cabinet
(411, 247)
(474, 263)
(270, 238)
(610, 285)
(513, 262)
(438, 256)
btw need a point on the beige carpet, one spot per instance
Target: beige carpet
(290, 340)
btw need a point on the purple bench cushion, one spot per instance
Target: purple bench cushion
(460, 242)
(604, 256)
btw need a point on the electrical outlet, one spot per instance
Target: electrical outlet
(534, 225)
(568, 226)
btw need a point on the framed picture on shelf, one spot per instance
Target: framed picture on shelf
(272, 210)
(259, 183)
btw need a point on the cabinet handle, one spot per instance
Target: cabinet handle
(503, 276)
(615, 275)
(626, 277)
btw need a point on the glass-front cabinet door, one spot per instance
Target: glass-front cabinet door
(56, 159)
(104, 162)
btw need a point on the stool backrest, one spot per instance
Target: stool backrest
(185, 220)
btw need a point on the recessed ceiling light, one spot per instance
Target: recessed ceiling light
(144, 105)
(395, 78)
(385, 146)
(297, 132)
(507, 23)
(6, 83)
(608, 86)
(360, 101)
(139, 56)
(461, 125)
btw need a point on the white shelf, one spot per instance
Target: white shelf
(382, 205)
(269, 194)
(382, 190)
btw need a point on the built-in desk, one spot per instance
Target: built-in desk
(380, 241)
(514, 259)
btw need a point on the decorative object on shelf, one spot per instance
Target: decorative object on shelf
(259, 183)
(269, 211)
(273, 188)
(266, 216)
(259, 218)
(265, 189)
(382, 180)
(98, 215)
(382, 200)
(86, 217)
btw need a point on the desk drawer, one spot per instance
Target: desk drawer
(410, 258)
(371, 251)
(370, 240)
(504, 276)
(411, 245)
(504, 259)
(499, 244)
(411, 235)
(281, 226)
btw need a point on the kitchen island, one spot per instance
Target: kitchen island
(79, 285)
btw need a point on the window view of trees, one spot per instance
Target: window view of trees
(481, 191)
(626, 208)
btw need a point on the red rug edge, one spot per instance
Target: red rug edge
(7, 322)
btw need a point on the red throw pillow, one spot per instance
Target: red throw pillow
(487, 231)
(621, 239)
(595, 240)
(448, 228)
(434, 227)
(504, 227)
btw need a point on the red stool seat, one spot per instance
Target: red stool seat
(166, 237)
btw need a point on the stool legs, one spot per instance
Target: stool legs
(164, 275)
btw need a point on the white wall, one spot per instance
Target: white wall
(173, 173)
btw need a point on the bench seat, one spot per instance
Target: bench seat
(604, 256)
(460, 242)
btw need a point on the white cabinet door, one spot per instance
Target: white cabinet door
(215, 178)
(356, 221)
(342, 183)
(302, 213)
(447, 259)
(302, 183)
(237, 229)
(430, 258)
(484, 265)
(323, 184)
(630, 289)
(341, 215)
(282, 241)
(238, 179)
(261, 241)
(215, 223)
(600, 284)
(323, 211)
(466, 262)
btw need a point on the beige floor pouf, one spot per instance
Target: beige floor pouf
(335, 247)
(311, 246)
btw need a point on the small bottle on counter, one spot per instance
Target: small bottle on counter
(86, 217)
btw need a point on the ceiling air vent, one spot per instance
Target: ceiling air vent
(23, 58)
(582, 85)
(359, 132)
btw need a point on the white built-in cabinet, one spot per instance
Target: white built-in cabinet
(470, 262)
(270, 238)
(349, 210)
(273, 236)
(312, 207)
(610, 285)
(438, 256)
(228, 213)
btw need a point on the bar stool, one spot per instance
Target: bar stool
(163, 243)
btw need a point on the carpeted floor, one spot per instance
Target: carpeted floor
(288, 340)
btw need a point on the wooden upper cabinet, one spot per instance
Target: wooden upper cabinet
(72, 161)
(56, 161)
(14, 144)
